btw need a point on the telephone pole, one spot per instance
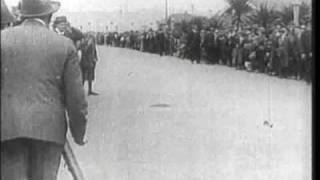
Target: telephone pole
(296, 10)
(192, 9)
(127, 6)
(166, 9)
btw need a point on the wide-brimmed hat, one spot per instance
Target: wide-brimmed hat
(36, 8)
(6, 16)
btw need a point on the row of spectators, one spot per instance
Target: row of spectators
(283, 51)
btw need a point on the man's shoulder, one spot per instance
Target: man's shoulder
(21, 30)
(60, 40)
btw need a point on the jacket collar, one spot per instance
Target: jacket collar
(34, 21)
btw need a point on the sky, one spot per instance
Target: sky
(133, 5)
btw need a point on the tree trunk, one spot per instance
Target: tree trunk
(238, 22)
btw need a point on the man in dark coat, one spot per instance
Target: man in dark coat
(293, 52)
(222, 48)
(161, 40)
(208, 44)
(63, 27)
(195, 41)
(88, 61)
(40, 81)
(306, 53)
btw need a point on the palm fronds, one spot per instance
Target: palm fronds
(264, 16)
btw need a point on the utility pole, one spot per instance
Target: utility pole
(166, 9)
(192, 9)
(296, 8)
(126, 6)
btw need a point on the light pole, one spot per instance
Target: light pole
(296, 9)
(166, 9)
(192, 9)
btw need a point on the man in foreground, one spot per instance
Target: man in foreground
(40, 80)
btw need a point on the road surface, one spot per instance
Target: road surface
(162, 118)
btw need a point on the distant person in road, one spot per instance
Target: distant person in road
(88, 62)
(208, 44)
(160, 38)
(195, 45)
(306, 53)
(40, 81)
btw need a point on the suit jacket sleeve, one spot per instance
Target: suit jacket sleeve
(75, 101)
(95, 52)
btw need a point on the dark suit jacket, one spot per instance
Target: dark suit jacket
(306, 41)
(40, 80)
(161, 41)
(89, 53)
(75, 35)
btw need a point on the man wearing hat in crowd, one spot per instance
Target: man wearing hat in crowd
(195, 41)
(6, 16)
(306, 53)
(63, 27)
(209, 45)
(40, 81)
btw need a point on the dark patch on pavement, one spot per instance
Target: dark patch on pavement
(268, 124)
(160, 105)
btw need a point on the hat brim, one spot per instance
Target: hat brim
(60, 22)
(55, 6)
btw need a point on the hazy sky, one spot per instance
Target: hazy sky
(110, 5)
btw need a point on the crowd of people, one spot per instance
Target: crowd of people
(283, 51)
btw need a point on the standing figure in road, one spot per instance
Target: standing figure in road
(203, 53)
(293, 52)
(259, 43)
(40, 81)
(160, 38)
(88, 62)
(195, 45)
(306, 54)
(216, 52)
(283, 53)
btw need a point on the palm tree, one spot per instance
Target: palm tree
(305, 13)
(263, 16)
(238, 8)
(286, 14)
(198, 21)
(216, 22)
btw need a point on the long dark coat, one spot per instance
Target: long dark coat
(40, 81)
(88, 57)
(161, 40)
(193, 45)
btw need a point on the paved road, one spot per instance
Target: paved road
(162, 118)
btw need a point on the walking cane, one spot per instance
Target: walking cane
(72, 162)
